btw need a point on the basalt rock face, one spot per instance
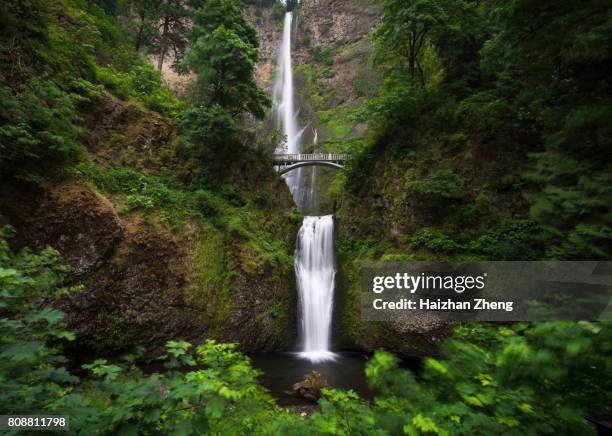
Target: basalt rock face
(333, 22)
(142, 283)
(338, 26)
(333, 69)
(269, 27)
(78, 222)
(133, 274)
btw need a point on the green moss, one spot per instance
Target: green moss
(213, 275)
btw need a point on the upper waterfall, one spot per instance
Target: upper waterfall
(283, 92)
(286, 119)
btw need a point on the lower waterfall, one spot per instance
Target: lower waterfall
(315, 271)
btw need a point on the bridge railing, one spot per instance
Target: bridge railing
(301, 157)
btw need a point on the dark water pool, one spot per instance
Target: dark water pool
(282, 370)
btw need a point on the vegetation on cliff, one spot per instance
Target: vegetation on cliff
(488, 139)
(563, 373)
(90, 133)
(489, 136)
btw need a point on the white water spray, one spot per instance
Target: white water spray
(283, 90)
(315, 268)
(315, 272)
(285, 115)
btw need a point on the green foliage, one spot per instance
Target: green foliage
(519, 111)
(435, 241)
(143, 83)
(557, 73)
(39, 129)
(223, 55)
(564, 374)
(478, 389)
(51, 68)
(210, 130)
(30, 371)
(324, 55)
(511, 240)
(398, 104)
(405, 27)
(442, 185)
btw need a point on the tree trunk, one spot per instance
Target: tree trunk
(421, 73)
(139, 36)
(163, 44)
(411, 51)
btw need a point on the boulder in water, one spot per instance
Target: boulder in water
(310, 387)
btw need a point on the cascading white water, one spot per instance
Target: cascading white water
(284, 109)
(286, 118)
(315, 268)
(315, 272)
(283, 91)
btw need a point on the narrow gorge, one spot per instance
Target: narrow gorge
(200, 200)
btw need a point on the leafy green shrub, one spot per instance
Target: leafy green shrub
(401, 104)
(211, 130)
(144, 83)
(324, 55)
(486, 112)
(441, 184)
(39, 129)
(30, 371)
(233, 194)
(117, 83)
(208, 204)
(511, 240)
(435, 241)
(528, 379)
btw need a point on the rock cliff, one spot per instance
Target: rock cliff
(145, 282)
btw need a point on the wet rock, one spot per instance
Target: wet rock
(141, 283)
(80, 223)
(310, 387)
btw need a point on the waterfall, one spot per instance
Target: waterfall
(283, 91)
(286, 119)
(315, 268)
(315, 272)
(284, 111)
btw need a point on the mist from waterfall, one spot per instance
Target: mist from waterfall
(315, 267)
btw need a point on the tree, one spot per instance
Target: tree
(223, 55)
(551, 60)
(147, 15)
(405, 27)
(162, 26)
(173, 29)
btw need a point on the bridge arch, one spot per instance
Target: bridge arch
(288, 162)
(308, 163)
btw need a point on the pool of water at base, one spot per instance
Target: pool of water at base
(282, 370)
